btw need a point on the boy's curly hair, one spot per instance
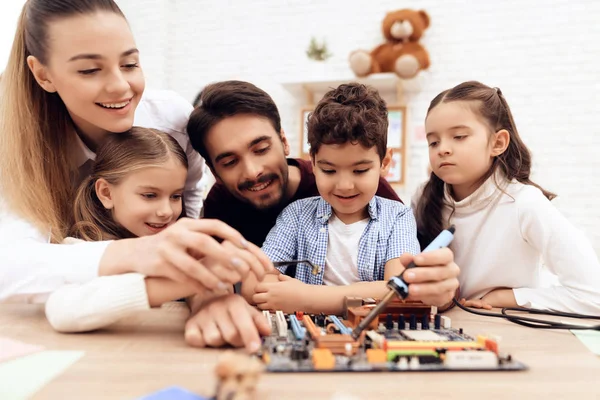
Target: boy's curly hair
(353, 113)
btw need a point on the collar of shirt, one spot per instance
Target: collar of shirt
(84, 154)
(324, 210)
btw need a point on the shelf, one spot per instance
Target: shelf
(385, 83)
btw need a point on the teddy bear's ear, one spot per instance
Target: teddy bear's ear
(425, 17)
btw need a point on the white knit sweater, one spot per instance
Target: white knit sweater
(82, 307)
(501, 239)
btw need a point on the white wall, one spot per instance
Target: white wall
(544, 55)
(9, 14)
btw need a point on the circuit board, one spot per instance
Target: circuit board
(407, 336)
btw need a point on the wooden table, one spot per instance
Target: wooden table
(147, 353)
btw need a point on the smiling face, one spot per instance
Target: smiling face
(248, 158)
(147, 200)
(347, 177)
(95, 72)
(460, 149)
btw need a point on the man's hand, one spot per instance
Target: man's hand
(434, 280)
(226, 319)
(287, 294)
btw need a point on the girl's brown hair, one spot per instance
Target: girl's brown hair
(118, 156)
(515, 163)
(37, 134)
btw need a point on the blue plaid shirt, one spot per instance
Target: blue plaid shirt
(301, 233)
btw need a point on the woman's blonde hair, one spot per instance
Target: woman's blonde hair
(37, 134)
(118, 156)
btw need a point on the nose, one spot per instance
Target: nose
(444, 148)
(345, 182)
(164, 209)
(252, 169)
(117, 83)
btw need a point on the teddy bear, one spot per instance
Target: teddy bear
(401, 53)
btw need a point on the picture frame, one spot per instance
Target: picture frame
(396, 141)
(304, 148)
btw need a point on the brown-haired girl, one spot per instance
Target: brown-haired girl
(135, 189)
(505, 223)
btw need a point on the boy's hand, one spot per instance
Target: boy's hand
(287, 295)
(435, 278)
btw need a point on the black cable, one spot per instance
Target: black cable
(533, 322)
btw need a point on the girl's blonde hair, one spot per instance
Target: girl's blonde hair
(118, 156)
(37, 134)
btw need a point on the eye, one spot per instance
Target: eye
(361, 171)
(131, 66)
(229, 163)
(177, 197)
(433, 144)
(262, 151)
(460, 137)
(328, 171)
(88, 71)
(148, 195)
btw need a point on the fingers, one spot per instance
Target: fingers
(191, 267)
(193, 336)
(261, 322)
(260, 298)
(284, 277)
(431, 274)
(247, 324)
(435, 257)
(214, 227)
(228, 319)
(445, 287)
(246, 260)
(476, 303)
(228, 329)
(218, 254)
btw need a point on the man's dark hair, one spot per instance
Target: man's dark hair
(352, 113)
(225, 99)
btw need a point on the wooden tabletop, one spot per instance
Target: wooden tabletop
(147, 353)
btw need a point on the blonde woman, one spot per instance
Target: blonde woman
(62, 94)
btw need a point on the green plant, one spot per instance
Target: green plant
(317, 51)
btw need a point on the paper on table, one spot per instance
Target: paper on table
(10, 349)
(590, 338)
(22, 377)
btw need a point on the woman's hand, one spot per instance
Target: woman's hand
(187, 252)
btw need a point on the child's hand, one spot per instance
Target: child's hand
(475, 303)
(287, 295)
(500, 298)
(434, 280)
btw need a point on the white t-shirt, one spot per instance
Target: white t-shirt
(501, 238)
(31, 267)
(341, 261)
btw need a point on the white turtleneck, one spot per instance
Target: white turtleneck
(501, 239)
